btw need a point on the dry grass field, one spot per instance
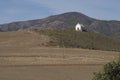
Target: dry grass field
(52, 63)
(79, 72)
(48, 56)
(23, 58)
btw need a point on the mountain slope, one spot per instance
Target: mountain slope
(67, 20)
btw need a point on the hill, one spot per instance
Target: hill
(87, 40)
(57, 38)
(22, 39)
(65, 21)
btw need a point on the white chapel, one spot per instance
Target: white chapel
(79, 27)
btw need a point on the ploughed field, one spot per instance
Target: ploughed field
(42, 63)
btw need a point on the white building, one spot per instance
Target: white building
(79, 27)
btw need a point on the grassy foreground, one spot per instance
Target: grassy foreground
(52, 63)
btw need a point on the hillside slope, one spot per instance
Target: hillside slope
(65, 21)
(57, 38)
(22, 39)
(86, 40)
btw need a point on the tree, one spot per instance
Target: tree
(111, 71)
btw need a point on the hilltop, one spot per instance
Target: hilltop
(67, 21)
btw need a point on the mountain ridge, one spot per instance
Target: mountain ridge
(67, 21)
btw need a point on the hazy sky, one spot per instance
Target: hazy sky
(21, 10)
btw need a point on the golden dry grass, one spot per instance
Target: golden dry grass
(22, 59)
(46, 56)
(22, 39)
(52, 63)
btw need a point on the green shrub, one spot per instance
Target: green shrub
(111, 71)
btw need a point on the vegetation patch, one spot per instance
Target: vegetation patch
(77, 39)
(111, 71)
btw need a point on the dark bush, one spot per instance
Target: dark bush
(111, 71)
